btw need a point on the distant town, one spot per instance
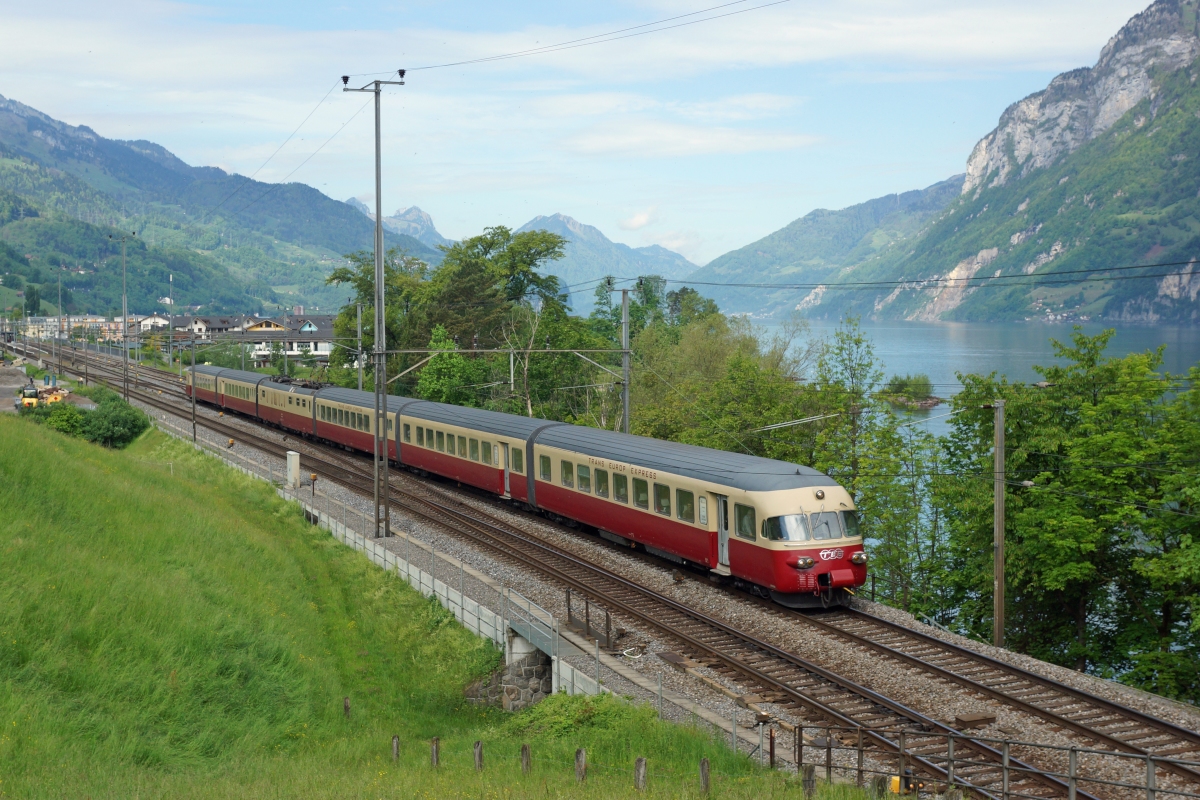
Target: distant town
(300, 335)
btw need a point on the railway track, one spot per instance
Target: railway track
(1103, 722)
(783, 677)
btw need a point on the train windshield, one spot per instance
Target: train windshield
(788, 528)
(850, 523)
(826, 525)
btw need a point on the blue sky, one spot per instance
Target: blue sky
(702, 138)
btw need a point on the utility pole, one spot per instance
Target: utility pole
(382, 491)
(125, 323)
(58, 333)
(359, 358)
(171, 318)
(998, 527)
(625, 358)
(193, 387)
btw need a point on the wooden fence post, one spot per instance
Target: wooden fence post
(395, 748)
(526, 759)
(346, 707)
(704, 776)
(859, 780)
(580, 765)
(772, 743)
(639, 774)
(828, 756)
(808, 779)
(434, 747)
(479, 756)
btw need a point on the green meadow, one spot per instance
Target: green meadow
(171, 628)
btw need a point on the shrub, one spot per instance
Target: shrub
(65, 418)
(114, 424)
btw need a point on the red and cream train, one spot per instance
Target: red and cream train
(776, 527)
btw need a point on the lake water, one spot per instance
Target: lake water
(939, 350)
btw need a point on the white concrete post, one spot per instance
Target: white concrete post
(293, 469)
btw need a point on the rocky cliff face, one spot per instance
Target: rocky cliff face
(1081, 104)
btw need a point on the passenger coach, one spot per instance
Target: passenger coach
(775, 527)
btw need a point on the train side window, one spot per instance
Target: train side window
(474, 449)
(518, 460)
(544, 463)
(585, 478)
(641, 493)
(685, 505)
(486, 453)
(429, 438)
(420, 436)
(703, 510)
(462, 446)
(450, 448)
(441, 442)
(289, 399)
(620, 488)
(743, 520)
(566, 473)
(601, 483)
(407, 432)
(662, 499)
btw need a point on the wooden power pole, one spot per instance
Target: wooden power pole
(998, 527)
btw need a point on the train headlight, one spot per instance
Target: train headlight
(805, 562)
(859, 558)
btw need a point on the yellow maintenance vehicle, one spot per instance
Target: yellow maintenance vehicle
(29, 396)
(33, 396)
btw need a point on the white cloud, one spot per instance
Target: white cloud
(639, 220)
(658, 139)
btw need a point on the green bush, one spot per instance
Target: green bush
(114, 424)
(65, 418)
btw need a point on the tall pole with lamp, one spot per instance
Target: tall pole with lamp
(382, 505)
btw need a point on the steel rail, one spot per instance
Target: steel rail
(1015, 679)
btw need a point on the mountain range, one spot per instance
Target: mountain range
(1063, 211)
(589, 254)
(274, 243)
(1082, 203)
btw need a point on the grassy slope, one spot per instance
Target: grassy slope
(190, 635)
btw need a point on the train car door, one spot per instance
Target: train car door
(504, 447)
(722, 530)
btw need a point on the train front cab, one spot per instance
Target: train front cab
(802, 545)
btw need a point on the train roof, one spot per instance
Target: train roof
(746, 472)
(741, 471)
(737, 470)
(354, 397)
